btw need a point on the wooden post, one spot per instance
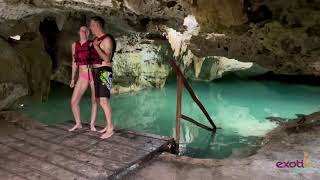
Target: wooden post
(193, 96)
(178, 113)
(196, 123)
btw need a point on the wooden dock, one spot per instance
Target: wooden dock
(51, 152)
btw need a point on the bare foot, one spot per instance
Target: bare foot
(107, 134)
(75, 127)
(103, 130)
(92, 128)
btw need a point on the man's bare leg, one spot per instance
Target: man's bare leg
(108, 130)
(94, 108)
(78, 92)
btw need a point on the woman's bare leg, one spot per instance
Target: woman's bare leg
(78, 92)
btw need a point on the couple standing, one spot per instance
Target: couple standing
(94, 61)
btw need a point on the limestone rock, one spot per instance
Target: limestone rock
(11, 64)
(10, 93)
(215, 15)
(12, 75)
(144, 66)
(214, 67)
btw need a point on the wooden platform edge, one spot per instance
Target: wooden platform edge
(139, 162)
(168, 145)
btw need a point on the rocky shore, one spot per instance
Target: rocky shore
(295, 140)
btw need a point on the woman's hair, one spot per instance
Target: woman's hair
(86, 29)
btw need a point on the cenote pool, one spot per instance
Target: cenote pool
(238, 106)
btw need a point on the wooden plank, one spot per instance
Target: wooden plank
(189, 119)
(68, 153)
(68, 139)
(52, 151)
(62, 134)
(19, 167)
(92, 159)
(58, 132)
(48, 157)
(80, 141)
(115, 155)
(20, 155)
(124, 131)
(21, 170)
(119, 148)
(148, 135)
(123, 137)
(132, 141)
(67, 125)
(79, 167)
(50, 140)
(121, 131)
(86, 127)
(3, 149)
(115, 152)
(82, 155)
(136, 141)
(4, 139)
(136, 163)
(41, 133)
(36, 142)
(65, 162)
(9, 175)
(20, 145)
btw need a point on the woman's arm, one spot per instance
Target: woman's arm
(74, 66)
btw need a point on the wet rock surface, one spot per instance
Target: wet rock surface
(12, 121)
(295, 140)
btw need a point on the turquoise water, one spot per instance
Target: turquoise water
(238, 106)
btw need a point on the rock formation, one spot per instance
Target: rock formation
(208, 38)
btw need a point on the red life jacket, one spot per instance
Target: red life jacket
(94, 56)
(81, 55)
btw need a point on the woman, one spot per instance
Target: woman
(81, 62)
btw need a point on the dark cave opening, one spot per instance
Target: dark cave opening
(50, 32)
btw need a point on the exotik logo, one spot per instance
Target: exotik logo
(297, 164)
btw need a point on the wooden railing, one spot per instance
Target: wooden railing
(183, 82)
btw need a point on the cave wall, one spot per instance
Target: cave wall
(25, 65)
(281, 36)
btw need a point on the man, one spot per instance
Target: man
(104, 47)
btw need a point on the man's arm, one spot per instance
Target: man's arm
(105, 49)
